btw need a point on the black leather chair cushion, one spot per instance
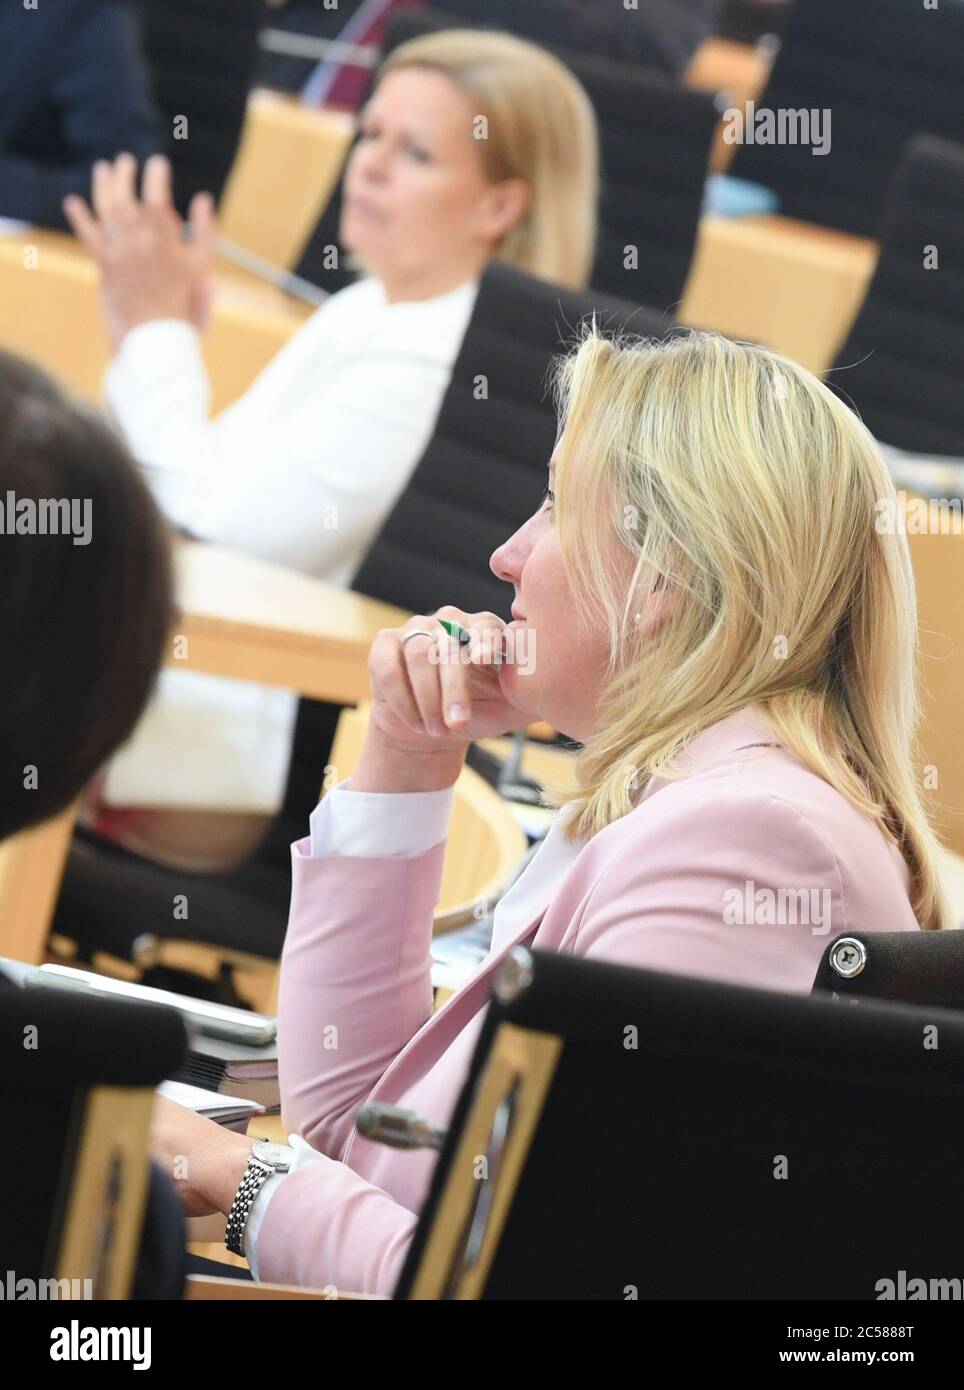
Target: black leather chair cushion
(908, 967)
(657, 1167)
(485, 468)
(902, 365)
(886, 70)
(202, 56)
(80, 1043)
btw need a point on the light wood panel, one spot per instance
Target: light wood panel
(254, 620)
(289, 159)
(49, 312)
(31, 868)
(790, 285)
(108, 1191)
(735, 70)
(938, 558)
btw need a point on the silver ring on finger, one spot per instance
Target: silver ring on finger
(419, 632)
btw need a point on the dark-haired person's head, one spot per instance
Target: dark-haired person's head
(86, 595)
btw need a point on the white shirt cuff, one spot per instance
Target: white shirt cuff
(150, 342)
(302, 1155)
(395, 825)
(152, 350)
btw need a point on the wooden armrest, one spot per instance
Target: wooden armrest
(211, 1286)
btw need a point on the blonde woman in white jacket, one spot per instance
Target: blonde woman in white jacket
(304, 468)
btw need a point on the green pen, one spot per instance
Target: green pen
(464, 637)
(454, 630)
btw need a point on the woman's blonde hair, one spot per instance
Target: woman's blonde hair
(540, 127)
(744, 488)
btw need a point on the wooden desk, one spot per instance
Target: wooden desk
(791, 285)
(252, 620)
(243, 618)
(49, 312)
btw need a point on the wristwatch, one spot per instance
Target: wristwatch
(265, 1159)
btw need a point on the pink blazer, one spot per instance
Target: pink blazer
(742, 871)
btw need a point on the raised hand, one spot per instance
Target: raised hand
(152, 265)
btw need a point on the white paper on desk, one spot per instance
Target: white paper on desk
(207, 743)
(10, 226)
(209, 1103)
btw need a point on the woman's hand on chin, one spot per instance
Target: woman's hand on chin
(430, 698)
(149, 270)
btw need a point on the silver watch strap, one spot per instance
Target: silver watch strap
(255, 1176)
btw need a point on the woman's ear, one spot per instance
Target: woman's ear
(506, 204)
(657, 608)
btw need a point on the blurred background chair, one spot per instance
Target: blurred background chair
(654, 1137)
(81, 1091)
(202, 56)
(304, 38)
(748, 21)
(655, 34)
(655, 140)
(884, 71)
(902, 363)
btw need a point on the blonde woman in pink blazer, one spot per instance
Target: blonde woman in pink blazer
(719, 617)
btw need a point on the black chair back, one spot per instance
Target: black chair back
(906, 967)
(484, 469)
(202, 55)
(629, 1134)
(661, 34)
(748, 21)
(884, 70)
(902, 363)
(77, 1086)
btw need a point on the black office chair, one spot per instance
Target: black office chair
(82, 1201)
(655, 1137)
(885, 70)
(655, 144)
(748, 21)
(657, 34)
(482, 473)
(902, 363)
(202, 55)
(905, 967)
